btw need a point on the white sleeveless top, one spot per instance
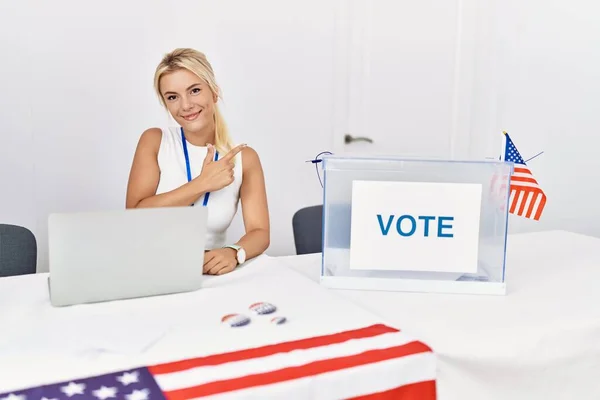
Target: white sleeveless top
(222, 204)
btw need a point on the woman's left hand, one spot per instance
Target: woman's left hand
(219, 261)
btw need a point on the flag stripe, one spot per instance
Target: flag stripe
(524, 198)
(514, 195)
(532, 204)
(298, 372)
(540, 208)
(345, 383)
(420, 390)
(519, 179)
(531, 199)
(524, 185)
(370, 331)
(200, 375)
(521, 170)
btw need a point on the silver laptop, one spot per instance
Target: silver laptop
(111, 255)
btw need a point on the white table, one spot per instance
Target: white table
(540, 341)
(41, 345)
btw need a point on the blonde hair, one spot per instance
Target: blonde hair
(197, 63)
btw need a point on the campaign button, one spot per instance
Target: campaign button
(263, 308)
(278, 320)
(235, 320)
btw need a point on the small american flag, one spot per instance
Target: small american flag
(373, 362)
(527, 199)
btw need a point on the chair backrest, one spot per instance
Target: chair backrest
(307, 224)
(18, 251)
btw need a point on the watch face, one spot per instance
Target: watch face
(241, 256)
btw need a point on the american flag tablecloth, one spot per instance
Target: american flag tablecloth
(373, 362)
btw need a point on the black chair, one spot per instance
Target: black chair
(307, 224)
(18, 251)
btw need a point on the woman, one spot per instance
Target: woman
(196, 163)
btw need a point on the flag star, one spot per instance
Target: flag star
(73, 388)
(138, 395)
(105, 392)
(13, 396)
(129, 377)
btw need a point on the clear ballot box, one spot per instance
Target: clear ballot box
(399, 224)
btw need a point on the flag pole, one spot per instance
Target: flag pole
(503, 144)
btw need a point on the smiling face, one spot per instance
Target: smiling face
(189, 100)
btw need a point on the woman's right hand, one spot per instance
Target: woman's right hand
(216, 175)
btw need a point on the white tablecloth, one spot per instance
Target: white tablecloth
(40, 344)
(540, 341)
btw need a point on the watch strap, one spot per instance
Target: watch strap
(237, 251)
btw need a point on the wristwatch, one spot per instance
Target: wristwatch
(241, 253)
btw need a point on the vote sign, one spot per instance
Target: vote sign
(415, 226)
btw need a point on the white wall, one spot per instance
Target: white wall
(548, 64)
(76, 92)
